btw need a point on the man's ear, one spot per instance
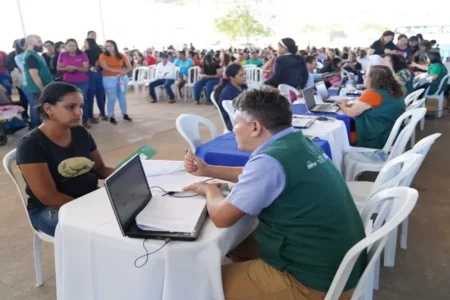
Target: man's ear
(257, 129)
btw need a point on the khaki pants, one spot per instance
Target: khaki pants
(250, 278)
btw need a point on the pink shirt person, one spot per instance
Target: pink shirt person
(77, 60)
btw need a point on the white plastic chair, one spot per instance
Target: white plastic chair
(213, 100)
(191, 80)
(38, 236)
(151, 74)
(413, 96)
(142, 78)
(188, 127)
(228, 106)
(439, 95)
(160, 88)
(414, 105)
(394, 205)
(358, 160)
(254, 75)
(286, 90)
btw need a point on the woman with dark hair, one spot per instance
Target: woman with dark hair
(436, 70)
(424, 49)
(413, 43)
(225, 61)
(402, 46)
(210, 73)
(230, 86)
(377, 109)
(400, 68)
(115, 67)
(333, 66)
(74, 66)
(289, 68)
(96, 89)
(60, 47)
(383, 45)
(59, 160)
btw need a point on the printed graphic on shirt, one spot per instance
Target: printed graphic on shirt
(75, 166)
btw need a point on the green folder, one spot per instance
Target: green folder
(145, 152)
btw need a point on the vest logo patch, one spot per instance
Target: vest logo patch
(310, 164)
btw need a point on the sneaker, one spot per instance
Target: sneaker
(104, 118)
(93, 120)
(127, 118)
(197, 102)
(86, 125)
(112, 121)
(153, 101)
(172, 101)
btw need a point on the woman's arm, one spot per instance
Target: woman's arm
(354, 110)
(41, 183)
(266, 68)
(84, 68)
(100, 169)
(105, 67)
(370, 52)
(127, 68)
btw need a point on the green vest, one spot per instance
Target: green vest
(44, 73)
(310, 227)
(375, 124)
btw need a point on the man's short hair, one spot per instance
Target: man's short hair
(91, 31)
(310, 59)
(49, 42)
(268, 106)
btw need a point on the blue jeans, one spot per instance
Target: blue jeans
(167, 85)
(5, 80)
(96, 89)
(208, 84)
(31, 103)
(112, 89)
(43, 221)
(84, 86)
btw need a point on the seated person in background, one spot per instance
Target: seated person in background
(210, 73)
(398, 64)
(254, 60)
(436, 70)
(311, 65)
(352, 65)
(231, 85)
(184, 64)
(59, 160)
(363, 59)
(288, 68)
(333, 66)
(165, 75)
(377, 109)
(307, 218)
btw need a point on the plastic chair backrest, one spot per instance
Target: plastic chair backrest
(8, 161)
(416, 104)
(422, 148)
(413, 96)
(213, 100)
(286, 90)
(396, 205)
(228, 106)
(142, 75)
(188, 127)
(249, 66)
(177, 72)
(441, 89)
(193, 75)
(253, 75)
(151, 73)
(402, 139)
(396, 172)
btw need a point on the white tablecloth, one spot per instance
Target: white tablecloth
(95, 262)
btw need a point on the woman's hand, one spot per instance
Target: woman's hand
(194, 165)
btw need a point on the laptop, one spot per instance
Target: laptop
(308, 95)
(322, 91)
(129, 193)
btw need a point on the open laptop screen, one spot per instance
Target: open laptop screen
(128, 191)
(308, 95)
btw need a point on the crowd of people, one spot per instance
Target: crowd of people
(60, 161)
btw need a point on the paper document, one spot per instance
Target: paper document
(341, 98)
(162, 167)
(171, 214)
(302, 121)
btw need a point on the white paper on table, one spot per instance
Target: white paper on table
(161, 167)
(171, 214)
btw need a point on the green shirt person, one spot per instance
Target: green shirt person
(436, 70)
(307, 217)
(254, 60)
(377, 109)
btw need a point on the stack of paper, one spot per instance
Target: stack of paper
(303, 121)
(171, 214)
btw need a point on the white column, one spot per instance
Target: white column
(101, 20)
(22, 23)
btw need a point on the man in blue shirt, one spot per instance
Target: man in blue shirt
(184, 64)
(307, 217)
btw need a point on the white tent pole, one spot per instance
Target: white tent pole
(19, 7)
(101, 19)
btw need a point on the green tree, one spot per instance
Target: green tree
(241, 23)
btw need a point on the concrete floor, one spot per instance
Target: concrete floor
(421, 272)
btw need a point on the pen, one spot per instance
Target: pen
(186, 152)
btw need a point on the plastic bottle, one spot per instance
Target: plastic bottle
(121, 85)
